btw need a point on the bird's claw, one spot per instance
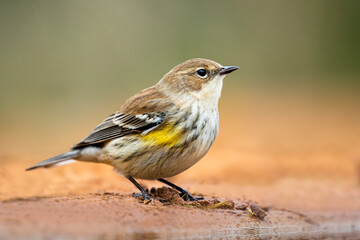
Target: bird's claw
(147, 197)
(188, 197)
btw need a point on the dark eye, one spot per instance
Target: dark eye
(201, 73)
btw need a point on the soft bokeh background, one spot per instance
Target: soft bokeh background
(290, 112)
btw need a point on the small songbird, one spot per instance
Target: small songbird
(160, 131)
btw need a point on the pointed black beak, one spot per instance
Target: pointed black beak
(228, 69)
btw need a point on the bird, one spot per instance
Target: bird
(160, 131)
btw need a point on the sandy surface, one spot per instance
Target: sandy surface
(290, 212)
(301, 166)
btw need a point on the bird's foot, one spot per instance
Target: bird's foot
(147, 197)
(188, 197)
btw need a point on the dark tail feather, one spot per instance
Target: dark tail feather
(56, 160)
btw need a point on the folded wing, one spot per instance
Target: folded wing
(120, 124)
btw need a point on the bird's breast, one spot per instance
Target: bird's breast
(201, 128)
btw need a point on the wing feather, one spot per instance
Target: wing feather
(141, 113)
(120, 125)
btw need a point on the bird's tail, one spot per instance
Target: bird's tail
(62, 159)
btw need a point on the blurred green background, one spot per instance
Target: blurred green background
(63, 62)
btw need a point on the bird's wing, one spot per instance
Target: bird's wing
(142, 113)
(120, 124)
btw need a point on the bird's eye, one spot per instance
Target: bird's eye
(201, 73)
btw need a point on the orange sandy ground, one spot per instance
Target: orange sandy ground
(294, 152)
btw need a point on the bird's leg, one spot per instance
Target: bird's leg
(183, 193)
(144, 193)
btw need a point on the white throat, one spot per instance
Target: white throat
(211, 91)
(208, 95)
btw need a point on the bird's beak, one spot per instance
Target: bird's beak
(228, 69)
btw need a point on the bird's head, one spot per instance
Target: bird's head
(199, 78)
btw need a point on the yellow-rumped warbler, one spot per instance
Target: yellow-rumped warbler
(160, 131)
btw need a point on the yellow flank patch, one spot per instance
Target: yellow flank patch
(168, 136)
